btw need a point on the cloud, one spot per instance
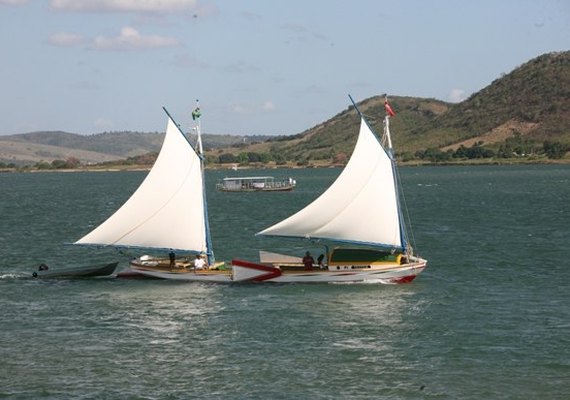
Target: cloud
(241, 109)
(13, 2)
(268, 106)
(457, 95)
(303, 34)
(241, 67)
(123, 5)
(65, 39)
(131, 39)
(249, 109)
(103, 123)
(251, 16)
(188, 61)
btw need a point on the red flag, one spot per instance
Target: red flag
(388, 109)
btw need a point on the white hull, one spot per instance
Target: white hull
(191, 276)
(251, 272)
(248, 272)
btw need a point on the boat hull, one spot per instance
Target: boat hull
(78, 272)
(187, 275)
(182, 271)
(281, 188)
(244, 271)
(249, 272)
(252, 272)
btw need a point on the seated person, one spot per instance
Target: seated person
(199, 262)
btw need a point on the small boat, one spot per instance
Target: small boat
(256, 184)
(167, 214)
(76, 272)
(358, 220)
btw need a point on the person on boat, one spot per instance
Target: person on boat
(172, 257)
(199, 263)
(308, 261)
(320, 261)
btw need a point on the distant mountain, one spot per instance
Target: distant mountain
(30, 148)
(532, 101)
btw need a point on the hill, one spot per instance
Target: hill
(514, 114)
(532, 102)
(34, 147)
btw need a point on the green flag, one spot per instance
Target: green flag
(196, 113)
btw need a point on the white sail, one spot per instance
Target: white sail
(361, 206)
(167, 210)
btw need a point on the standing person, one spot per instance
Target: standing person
(172, 257)
(308, 261)
(320, 261)
(199, 263)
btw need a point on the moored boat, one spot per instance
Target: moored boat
(256, 184)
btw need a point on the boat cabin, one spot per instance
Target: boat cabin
(255, 183)
(342, 256)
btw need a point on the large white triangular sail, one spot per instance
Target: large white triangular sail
(167, 211)
(361, 206)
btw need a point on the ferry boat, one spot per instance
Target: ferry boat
(256, 184)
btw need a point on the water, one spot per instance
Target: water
(489, 317)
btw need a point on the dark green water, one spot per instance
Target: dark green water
(488, 319)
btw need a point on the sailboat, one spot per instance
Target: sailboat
(358, 219)
(167, 213)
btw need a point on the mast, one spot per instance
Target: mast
(198, 126)
(196, 117)
(391, 113)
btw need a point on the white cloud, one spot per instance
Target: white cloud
(188, 61)
(457, 95)
(249, 109)
(124, 5)
(241, 109)
(131, 39)
(103, 123)
(268, 106)
(13, 2)
(65, 39)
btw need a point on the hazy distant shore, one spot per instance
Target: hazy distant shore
(119, 168)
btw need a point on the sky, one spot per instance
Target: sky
(257, 67)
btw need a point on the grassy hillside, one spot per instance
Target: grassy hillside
(532, 102)
(30, 148)
(537, 95)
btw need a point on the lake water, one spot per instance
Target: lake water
(488, 319)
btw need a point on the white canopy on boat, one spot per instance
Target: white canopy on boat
(361, 206)
(167, 210)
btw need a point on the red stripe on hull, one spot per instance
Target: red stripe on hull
(271, 272)
(404, 279)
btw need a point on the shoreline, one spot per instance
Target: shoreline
(134, 168)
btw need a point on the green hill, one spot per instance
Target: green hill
(532, 102)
